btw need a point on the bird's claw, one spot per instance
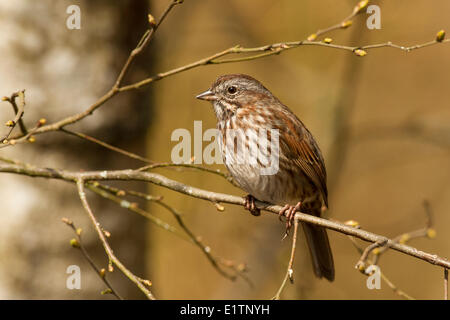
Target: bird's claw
(251, 206)
(289, 211)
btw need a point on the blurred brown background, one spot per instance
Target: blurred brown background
(382, 121)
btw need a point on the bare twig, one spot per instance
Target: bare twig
(379, 247)
(179, 166)
(19, 110)
(144, 42)
(290, 271)
(267, 50)
(106, 145)
(28, 137)
(218, 263)
(151, 164)
(140, 283)
(426, 231)
(148, 35)
(101, 191)
(100, 272)
(361, 264)
(391, 285)
(345, 23)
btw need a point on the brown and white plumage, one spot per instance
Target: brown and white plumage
(242, 102)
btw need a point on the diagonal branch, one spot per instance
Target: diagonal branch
(140, 283)
(146, 38)
(217, 262)
(79, 245)
(289, 271)
(19, 110)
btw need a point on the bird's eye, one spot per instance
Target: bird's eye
(232, 89)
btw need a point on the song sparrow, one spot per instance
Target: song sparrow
(242, 103)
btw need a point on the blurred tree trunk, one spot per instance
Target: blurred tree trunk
(63, 72)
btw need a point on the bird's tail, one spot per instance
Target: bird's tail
(320, 250)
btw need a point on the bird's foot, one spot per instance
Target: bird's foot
(250, 205)
(289, 211)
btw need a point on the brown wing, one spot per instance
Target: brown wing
(303, 150)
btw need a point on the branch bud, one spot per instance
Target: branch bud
(241, 267)
(360, 6)
(346, 24)
(67, 221)
(219, 207)
(404, 238)
(106, 291)
(312, 37)
(431, 233)
(10, 123)
(151, 21)
(361, 267)
(134, 205)
(360, 52)
(440, 36)
(352, 223)
(74, 243)
(327, 40)
(146, 282)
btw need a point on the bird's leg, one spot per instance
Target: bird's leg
(283, 211)
(250, 205)
(289, 212)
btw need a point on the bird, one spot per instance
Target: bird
(244, 108)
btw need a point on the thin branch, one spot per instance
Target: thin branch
(160, 180)
(217, 262)
(361, 264)
(152, 164)
(148, 35)
(146, 38)
(289, 272)
(131, 206)
(19, 110)
(106, 145)
(390, 284)
(426, 231)
(345, 23)
(379, 247)
(269, 50)
(100, 272)
(140, 283)
(178, 166)
(28, 137)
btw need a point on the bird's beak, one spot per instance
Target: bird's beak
(207, 95)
